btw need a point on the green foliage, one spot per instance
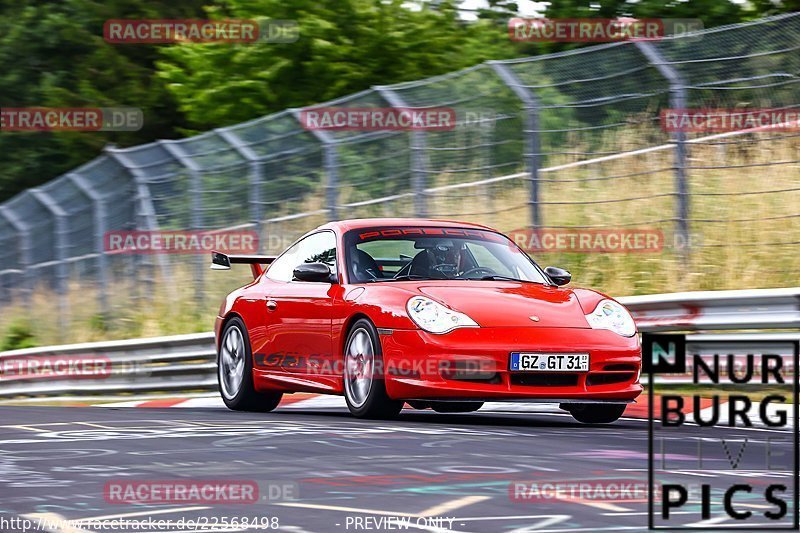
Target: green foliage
(52, 54)
(711, 12)
(344, 47)
(18, 335)
(99, 323)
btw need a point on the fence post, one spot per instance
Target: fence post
(418, 147)
(486, 136)
(331, 156)
(60, 241)
(331, 160)
(147, 213)
(677, 100)
(256, 173)
(25, 247)
(531, 105)
(256, 212)
(100, 214)
(196, 179)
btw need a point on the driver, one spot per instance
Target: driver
(444, 259)
(449, 254)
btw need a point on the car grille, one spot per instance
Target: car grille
(545, 379)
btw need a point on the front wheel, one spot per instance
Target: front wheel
(235, 372)
(593, 413)
(364, 385)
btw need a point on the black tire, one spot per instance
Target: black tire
(456, 407)
(244, 397)
(374, 403)
(594, 413)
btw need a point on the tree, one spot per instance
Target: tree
(344, 47)
(711, 12)
(52, 54)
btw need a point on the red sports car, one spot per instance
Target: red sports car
(436, 314)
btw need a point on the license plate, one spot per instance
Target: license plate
(549, 362)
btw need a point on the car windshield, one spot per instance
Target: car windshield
(428, 253)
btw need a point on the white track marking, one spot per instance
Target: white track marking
(574, 529)
(214, 401)
(710, 521)
(322, 507)
(444, 508)
(605, 506)
(143, 513)
(92, 424)
(323, 401)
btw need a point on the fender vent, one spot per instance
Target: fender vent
(492, 378)
(609, 379)
(473, 371)
(621, 367)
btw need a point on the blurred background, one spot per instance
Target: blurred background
(549, 135)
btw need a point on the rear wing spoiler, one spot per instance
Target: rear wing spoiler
(221, 261)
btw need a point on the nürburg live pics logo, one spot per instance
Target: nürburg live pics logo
(722, 432)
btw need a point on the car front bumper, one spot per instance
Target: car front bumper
(473, 364)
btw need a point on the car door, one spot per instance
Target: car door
(299, 313)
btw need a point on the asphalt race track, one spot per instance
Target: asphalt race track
(439, 472)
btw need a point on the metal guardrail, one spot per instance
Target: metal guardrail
(187, 362)
(175, 363)
(753, 309)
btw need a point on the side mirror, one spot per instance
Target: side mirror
(558, 275)
(313, 272)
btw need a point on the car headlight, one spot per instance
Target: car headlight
(612, 316)
(436, 318)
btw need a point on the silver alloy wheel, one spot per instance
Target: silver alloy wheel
(231, 362)
(359, 367)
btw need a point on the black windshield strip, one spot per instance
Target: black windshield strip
(493, 278)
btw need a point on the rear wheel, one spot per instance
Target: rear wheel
(235, 372)
(364, 385)
(593, 413)
(456, 407)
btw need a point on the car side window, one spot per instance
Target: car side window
(317, 248)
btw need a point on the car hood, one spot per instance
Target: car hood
(511, 304)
